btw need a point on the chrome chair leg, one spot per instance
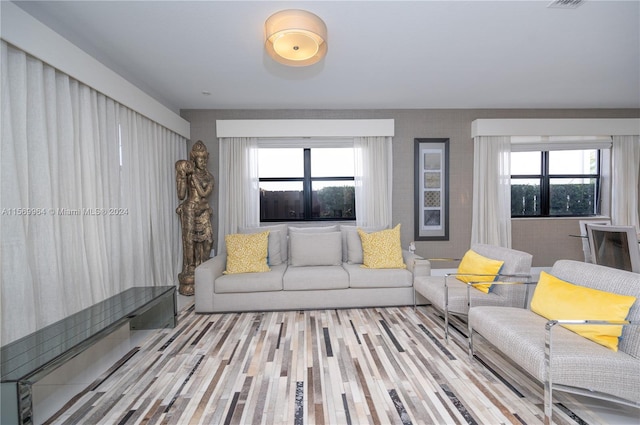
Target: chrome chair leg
(471, 351)
(548, 381)
(446, 326)
(414, 298)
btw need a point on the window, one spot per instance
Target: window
(562, 183)
(299, 184)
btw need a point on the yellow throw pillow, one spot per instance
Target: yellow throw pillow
(475, 264)
(247, 253)
(556, 299)
(382, 250)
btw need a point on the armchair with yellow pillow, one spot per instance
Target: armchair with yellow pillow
(580, 334)
(480, 280)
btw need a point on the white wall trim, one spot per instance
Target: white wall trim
(27, 33)
(556, 127)
(304, 128)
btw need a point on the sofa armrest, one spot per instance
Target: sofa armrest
(518, 276)
(421, 267)
(410, 259)
(205, 276)
(211, 269)
(552, 323)
(548, 354)
(522, 279)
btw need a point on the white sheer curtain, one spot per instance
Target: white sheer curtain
(239, 190)
(86, 213)
(625, 164)
(373, 181)
(491, 222)
(149, 154)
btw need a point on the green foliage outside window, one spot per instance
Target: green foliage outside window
(565, 200)
(336, 202)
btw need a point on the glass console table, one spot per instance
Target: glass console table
(27, 360)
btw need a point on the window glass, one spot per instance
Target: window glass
(525, 197)
(525, 163)
(306, 184)
(572, 196)
(283, 162)
(333, 199)
(332, 162)
(555, 183)
(281, 200)
(573, 162)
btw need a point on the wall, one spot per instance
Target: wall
(546, 239)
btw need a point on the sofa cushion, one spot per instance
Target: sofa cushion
(247, 253)
(345, 229)
(556, 299)
(475, 265)
(382, 250)
(360, 277)
(310, 229)
(251, 282)
(317, 229)
(315, 277)
(315, 249)
(278, 231)
(433, 289)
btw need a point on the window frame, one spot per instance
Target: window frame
(307, 191)
(545, 178)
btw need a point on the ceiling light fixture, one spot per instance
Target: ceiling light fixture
(295, 37)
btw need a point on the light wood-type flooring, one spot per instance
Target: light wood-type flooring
(354, 366)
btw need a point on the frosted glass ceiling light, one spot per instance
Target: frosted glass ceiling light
(295, 37)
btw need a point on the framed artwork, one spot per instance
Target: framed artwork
(431, 171)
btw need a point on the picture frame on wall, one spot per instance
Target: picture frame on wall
(431, 185)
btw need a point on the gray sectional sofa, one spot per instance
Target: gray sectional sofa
(564, 360)
(311, 267)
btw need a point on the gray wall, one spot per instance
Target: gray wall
(547, 239)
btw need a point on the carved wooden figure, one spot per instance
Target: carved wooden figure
(194, 184)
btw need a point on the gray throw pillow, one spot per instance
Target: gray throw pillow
(315, 249)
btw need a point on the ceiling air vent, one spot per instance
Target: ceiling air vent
(565, 4)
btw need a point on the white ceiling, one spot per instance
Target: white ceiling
(382, 54)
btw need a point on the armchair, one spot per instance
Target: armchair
(451, 296)
(614, 246)
(586, 248)
(560, 358)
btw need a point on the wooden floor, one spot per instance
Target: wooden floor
(357, 366)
